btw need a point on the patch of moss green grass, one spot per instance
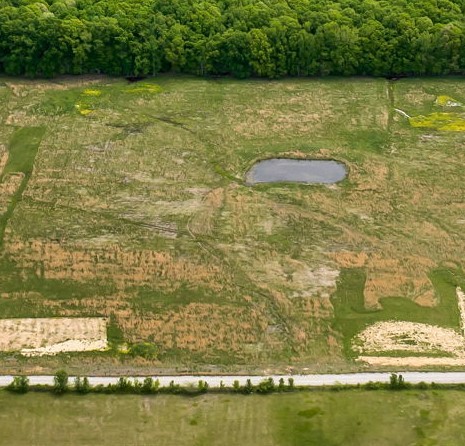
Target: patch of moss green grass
(22, 149)
(347, 417)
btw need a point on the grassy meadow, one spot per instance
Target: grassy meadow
(136, 209)
(358, 418)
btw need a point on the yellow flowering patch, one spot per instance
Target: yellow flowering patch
(85, 112)
(83, 109)
(446, 101)
(143, 88)
(92, 92)
(452, 122)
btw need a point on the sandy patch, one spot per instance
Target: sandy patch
(3, 157)
(8, 188)
(45, 336)
(409, 337)
(461, 304)
(411, 361)
(67, 346)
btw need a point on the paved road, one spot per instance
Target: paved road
(299, 380)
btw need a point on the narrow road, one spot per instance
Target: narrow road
(299, 380)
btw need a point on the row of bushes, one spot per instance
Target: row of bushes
(20, 384)
(149, 386)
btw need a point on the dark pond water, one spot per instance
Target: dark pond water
(296, 171)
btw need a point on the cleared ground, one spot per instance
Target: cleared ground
(39, 336)
(311, 418)
(136, 210)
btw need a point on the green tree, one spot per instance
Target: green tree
(60, 382)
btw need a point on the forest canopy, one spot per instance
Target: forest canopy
(269, 38)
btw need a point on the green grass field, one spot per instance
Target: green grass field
(136, 209)
(319, 418)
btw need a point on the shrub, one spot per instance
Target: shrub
(202, 386)
(248, 388)
(20, 384)
(266, 386)
(60, 382)
(371, 385)
(124, 385)
(291, 383)
(82, 385)
(397, 382)
(174, 388)
(145, 350)
(150, 386)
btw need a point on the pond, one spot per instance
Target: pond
(279, 170)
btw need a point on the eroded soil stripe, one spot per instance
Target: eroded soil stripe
(461, 304)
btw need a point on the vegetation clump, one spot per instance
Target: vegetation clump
(440, 121)
(20, 384)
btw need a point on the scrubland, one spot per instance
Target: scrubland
(127, 201)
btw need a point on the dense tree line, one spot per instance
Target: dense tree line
(269, 38)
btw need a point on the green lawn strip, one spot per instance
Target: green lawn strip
(348, 417)
(22, 149)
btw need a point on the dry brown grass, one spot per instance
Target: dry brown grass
(124, 267)
(8, 187)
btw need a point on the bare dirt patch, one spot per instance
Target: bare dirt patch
(42, 336)
(409, 337)
(3, 157)
(8, 187)
(411, 361)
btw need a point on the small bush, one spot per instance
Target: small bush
(174, 388)
(266, 386)
(82, 385)
(60, 379)
(202, 386)
(145, 350)
(397, 382)
(371, 385)
(150, 386)
(20, 384)
(248, 388)
(124, 385)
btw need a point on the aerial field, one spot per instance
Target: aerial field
(128, 202)
(309, 418)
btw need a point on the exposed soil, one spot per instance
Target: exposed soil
(39, 336)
